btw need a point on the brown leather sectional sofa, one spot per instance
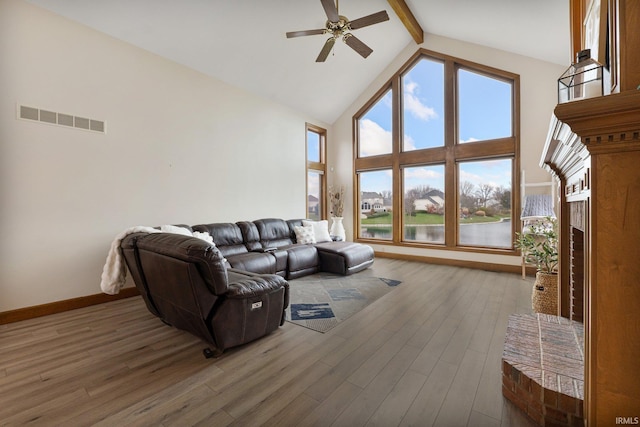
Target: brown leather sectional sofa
(235, 290)
(270, 246)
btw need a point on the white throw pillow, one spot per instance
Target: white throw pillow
(304, 234)
(320, 230)
(175, 230)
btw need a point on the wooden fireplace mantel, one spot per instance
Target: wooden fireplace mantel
(593, 148)
(604, 123)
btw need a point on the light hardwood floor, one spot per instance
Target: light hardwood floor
(427, 353)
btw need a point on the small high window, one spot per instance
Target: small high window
(316, 172)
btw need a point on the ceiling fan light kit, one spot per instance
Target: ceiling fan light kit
(339, 26)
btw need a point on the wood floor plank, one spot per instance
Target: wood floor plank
(345, 366)
(187, 409)
(481, 420)
(379, 360)
(157, 402)
(294, 412)
(218, 419)
(489, 400)
(325, 413)
(391, 411)
(277, 378)
(377, 390)
(425, 407)
(269, 407)
(465, 329)
(456, 408)
(38, 412)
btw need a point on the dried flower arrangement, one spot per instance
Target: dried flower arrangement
(336, 201)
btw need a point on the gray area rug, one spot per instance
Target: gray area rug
(321, 301)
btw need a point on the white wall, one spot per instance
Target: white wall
(538, 97)
(180, 147)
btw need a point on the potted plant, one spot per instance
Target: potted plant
(539, 246)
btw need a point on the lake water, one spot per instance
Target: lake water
(492, 234)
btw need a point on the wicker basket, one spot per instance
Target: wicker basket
(544, 297)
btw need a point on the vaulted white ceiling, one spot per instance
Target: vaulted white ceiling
(243, 43)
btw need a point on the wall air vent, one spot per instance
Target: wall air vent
(61, 119)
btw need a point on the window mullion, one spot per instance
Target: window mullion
(477, 150)
(450, 135)
(396, 90)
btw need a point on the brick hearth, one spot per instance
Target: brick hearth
(543, 368)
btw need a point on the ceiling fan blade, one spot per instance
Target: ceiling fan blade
(374, 18)
(326, 49)
(331, 10)
(357, 45)
(291, 34)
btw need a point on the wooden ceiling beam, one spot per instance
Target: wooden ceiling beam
(406, 16)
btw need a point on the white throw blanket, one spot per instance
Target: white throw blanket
(114, 272)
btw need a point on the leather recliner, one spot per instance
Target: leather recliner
(185, 281)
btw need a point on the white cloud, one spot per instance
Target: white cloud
(421, 176)
(472, 177)
(313, 185)
(414, 105)
(494, 172)
(470, 139)
(409, 143)
(421, 173)
(374, 140)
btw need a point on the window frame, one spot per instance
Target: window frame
(319, 167)
(450, 154)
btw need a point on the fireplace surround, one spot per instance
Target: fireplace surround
(593, 150)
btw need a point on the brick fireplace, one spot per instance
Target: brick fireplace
(543, 368)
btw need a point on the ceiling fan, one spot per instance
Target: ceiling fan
(339, 26)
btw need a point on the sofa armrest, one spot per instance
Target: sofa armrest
(256, 285)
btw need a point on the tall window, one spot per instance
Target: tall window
(437, 150)
(316, 172)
